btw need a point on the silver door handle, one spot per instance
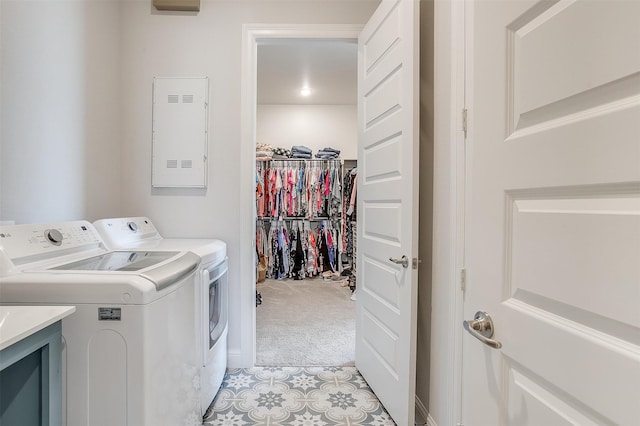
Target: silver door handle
(481, 327)
(404, 261)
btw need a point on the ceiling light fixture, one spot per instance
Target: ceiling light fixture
(305, 91)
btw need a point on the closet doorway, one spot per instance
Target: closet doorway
(306, 165)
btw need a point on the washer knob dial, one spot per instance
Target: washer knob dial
(53, 236)
(133, 226)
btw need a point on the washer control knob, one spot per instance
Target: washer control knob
(53, 236)
(132, 226)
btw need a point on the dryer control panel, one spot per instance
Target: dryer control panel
(126, 231)
(20, 241)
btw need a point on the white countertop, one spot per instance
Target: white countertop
(18, 322)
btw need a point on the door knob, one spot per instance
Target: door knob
(481, 327)
(404, 261)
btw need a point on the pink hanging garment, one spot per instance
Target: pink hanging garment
(291, 184)
(272, 190)
(318, 194)
(278, 192)
(327, 183)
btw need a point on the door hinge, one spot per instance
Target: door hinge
(415, 262)
(464, 121)
(463, 279)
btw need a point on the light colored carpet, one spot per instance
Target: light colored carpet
(305, 323)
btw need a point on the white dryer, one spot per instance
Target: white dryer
(129, 351)
(211, 305)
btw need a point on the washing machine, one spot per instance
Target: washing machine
(129, 352)
(211, 305)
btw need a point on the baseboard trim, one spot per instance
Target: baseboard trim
(235, 359)
(424, 413)
(421, 409)
(430, 421)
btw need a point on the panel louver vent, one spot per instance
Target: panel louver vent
(186, 164)
(187, 99)
(173, 99)
(172, 164)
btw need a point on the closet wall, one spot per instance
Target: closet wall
(303, 222)
(304, 209)
(314, 126)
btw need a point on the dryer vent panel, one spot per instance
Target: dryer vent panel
(180, 111)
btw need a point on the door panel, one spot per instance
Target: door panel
(387, 205)
(582, 61)
(553, 212)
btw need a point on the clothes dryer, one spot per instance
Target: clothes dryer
(129, 351)
(211, 305)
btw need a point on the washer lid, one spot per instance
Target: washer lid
(118, 261)
(162, 268)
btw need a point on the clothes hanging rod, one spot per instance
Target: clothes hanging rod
(300, 159)
(316, 219)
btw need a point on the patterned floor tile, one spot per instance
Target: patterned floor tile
(296, 396)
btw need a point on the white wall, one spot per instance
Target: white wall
(60, 135)
(207, 43)
(75, 124)
(314, 126)
(76, 85)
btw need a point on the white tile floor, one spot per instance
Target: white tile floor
(296, 396)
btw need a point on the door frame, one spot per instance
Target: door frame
(450, 31)
(252, 34)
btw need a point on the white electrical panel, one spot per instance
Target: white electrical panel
(180, 111)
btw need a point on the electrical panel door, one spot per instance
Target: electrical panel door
(180, 111)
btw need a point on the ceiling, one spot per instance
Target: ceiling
(327, 67)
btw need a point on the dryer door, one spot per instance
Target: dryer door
(215, 307)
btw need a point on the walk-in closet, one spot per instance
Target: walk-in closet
(305, 206)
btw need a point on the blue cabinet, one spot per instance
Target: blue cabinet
(30, 380)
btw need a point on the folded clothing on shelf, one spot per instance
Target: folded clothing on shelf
(328, 153)
(300, 149)
(329, 149)
(264, 152)
(281, 153)
(301, 155)
(264, 147)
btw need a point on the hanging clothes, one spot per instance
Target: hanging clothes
(300, 202)
(298, 249)
(349, 208)
(299, 188)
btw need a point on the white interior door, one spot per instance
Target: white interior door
(553, 212)
(388, 205)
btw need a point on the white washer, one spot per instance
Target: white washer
(212, 291)
(129, 351)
